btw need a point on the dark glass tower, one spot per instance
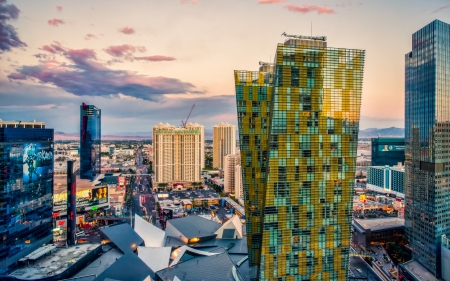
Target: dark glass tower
(90, 141)
(427, 137)
(26, 190)
(298, 128)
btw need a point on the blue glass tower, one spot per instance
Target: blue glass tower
(90, 141)
(26, 190)
(427, 151)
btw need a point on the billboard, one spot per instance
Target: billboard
(37, 161)
(85, 198)
(387, 147)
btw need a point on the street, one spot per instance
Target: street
(360, 268)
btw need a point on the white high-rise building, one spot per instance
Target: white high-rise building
(238, 184)
(224, 143)
(178, 154)
(229, 172)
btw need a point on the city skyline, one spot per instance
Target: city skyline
(138, 64)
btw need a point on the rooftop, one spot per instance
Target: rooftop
(123, 236)
(218, 267)
(127, 268)
(194, 226)
(418, 271)
(381, 223)
(59, 259)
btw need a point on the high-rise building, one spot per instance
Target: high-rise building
(298, 132)
(178, 154)
(386, 179)
(26, 184)
(224, 143)
(427, 137)
(238, 186)
(388, 151)
(229, 171)
(90, 141)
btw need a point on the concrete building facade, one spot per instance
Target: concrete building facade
(229, 169)
(179, 154)
(224, 143)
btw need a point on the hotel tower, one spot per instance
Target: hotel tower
(298, 131)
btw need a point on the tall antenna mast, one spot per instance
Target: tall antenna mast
(311, 28)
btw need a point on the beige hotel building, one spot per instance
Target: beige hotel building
(178, 154)
(224, 143)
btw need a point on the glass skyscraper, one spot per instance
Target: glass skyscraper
(298, 131)
(26, 190)
(90, 141)
(427, 137)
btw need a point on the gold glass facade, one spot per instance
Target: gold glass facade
(298, 147)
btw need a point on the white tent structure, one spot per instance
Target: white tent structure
(156, 258)
(152, 236)
(178, 253)
(231, 229)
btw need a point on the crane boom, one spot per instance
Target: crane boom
(183, 123)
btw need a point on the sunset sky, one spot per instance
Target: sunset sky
(147, 61)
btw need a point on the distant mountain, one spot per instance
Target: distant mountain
(76, 136)
(386, 132)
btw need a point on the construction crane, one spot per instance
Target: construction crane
(183, 123)
(18, 124)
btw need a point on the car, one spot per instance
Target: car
(379, 263)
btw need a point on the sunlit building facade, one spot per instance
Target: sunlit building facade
(427, 137)
(90, 141)
(298, 129)
(224, 143)
(178, 154)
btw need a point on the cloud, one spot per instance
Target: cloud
(155, 58)
(124, 50)
(308, 8)
(83, 75)
(8, 35)
(127, 30)
(59, 8)
(90, 36)
(55, 22)
(270, 1)
(17, 76)
(441, 8)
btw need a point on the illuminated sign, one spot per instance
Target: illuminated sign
(85, 197)
(179, 132)
(362, 198)
(387, 147)
(37, 161)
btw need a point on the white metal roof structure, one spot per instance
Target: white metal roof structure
(156, 258)
(152, 236)
(178, 253)
(40, 252)
(231, 229)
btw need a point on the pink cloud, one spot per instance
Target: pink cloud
(59, 8)
(55, 22)
(155, 58)
(441, 9)
(90, 36)
(53, 48)
(124, 50)
(127, 30)
(17, 76)
(309, 8)
(270, 1)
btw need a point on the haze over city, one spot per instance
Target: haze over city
(145, 62)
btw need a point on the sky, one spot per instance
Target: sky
(148, 61)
